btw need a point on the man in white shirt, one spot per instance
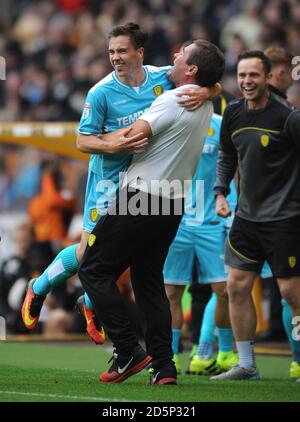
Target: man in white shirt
(140, 226)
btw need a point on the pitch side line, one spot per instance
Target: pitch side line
(62, 396)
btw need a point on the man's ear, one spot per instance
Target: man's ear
(282, 72)
(269, 77)
(192, 70)
(141, 52)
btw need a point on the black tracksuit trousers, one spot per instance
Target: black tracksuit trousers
(140, 242)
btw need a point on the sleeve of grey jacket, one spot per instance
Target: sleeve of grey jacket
(227, 160)
(293, 127)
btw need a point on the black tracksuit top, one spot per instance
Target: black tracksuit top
(265, 146)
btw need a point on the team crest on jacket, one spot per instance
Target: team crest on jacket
(264, 140)
(94, 214)
(91, 240)
(292, 261)
(158, 90)
(211, 131)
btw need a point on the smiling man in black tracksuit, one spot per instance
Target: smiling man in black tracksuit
(260, 137)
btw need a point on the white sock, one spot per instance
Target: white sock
(246, 354)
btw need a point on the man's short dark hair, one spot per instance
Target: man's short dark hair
(131, 30)
(210, 62)
(256, 54)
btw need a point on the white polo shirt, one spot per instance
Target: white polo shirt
(174, 150)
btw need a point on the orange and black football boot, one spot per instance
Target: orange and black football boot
(94, 330)
(32, 306)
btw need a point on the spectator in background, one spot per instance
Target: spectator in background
(14, 275)
(73, 32)
(48, 209)
(25, 174)
(235, 47)
(281, 69)
(247, 24)
(28, 261)
(4, 181)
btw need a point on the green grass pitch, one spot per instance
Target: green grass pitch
(69, 373)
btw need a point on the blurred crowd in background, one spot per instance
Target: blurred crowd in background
(54, 51)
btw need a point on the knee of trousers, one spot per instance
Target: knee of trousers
(97, 279)
(89, 273)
